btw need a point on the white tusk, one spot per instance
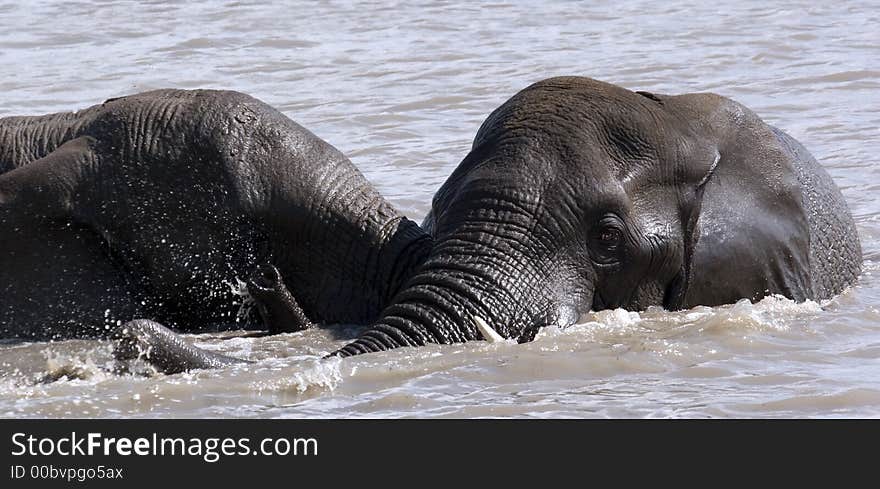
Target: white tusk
(488, 333)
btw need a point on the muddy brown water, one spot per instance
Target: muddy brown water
(402, 90)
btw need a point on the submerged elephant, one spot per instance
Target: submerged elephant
(154, 205)
(581, 195)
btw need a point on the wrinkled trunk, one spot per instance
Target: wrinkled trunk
(431, 309)
(460, 282)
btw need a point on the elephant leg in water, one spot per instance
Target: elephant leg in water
(169, 353)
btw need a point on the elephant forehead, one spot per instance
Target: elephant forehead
(575, 107)
(599, 150)
(619, 134)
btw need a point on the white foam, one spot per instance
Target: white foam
(695, 333)
(303, 375)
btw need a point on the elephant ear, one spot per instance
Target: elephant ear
(749, 233)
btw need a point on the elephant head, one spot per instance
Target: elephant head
(579, 195)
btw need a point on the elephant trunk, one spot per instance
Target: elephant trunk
(460, 286)
(431, 309)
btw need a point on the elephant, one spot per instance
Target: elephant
(171, 204)
(581, 195)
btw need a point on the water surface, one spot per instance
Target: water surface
(402, 90)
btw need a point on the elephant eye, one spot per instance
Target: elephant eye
(606, 238)
(608, 232)
(609, 236)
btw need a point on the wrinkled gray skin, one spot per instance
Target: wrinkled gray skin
(581, 195)
(151, 205)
